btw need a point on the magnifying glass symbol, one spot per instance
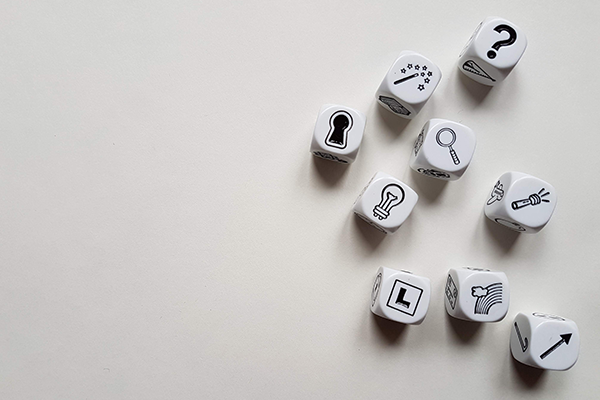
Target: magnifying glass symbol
(448, 143)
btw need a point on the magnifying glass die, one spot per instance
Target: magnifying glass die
(443, 149)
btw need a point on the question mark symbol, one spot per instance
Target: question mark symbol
(511, 39)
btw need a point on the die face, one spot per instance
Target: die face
(493, 51)
(545, 341)
(443, 150)
(532, 202)
(338, 133)
(500, 43)
(386, 202)
(521, 202)
(408, 84)
(477, 295)
(400, 296)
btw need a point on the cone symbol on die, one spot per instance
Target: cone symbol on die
(391, 196)
(472, 67)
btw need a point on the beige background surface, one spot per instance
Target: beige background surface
(166, 234)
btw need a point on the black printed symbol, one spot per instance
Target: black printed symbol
(472, 67)
(446, 137)
(419, 142)
(399, 81)
(391, 196)
(451, 292)
(394, 105)
(507, 42)
(548, 316)
(533, 200)
(400, 299)
(340, 124)
(434, 173)
(522, 341)
(405, 297)
(330, 157)
(477, 269)
(497, 193)
(510, 224)
(376, 288)
(565, 338)
(486, 297)
(421, 83)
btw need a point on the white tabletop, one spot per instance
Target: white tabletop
(166, 233)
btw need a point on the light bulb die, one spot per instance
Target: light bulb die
(385, 203)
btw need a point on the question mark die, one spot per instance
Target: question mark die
(493, 51)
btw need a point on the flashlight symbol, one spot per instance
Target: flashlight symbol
(532, 200)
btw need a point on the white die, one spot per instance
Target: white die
(521, 202)
(443, 150)
(385, 203)
(493, 51)
(408, 84)
(400, 296)
(544, 341)
(338, 133)
(476, 294)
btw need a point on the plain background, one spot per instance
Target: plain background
(166, 233)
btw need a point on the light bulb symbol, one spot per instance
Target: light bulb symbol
(533, 200)
(391, 196)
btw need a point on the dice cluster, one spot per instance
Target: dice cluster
(444, 150)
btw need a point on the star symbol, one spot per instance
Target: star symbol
(424, 67)
(426, 80)
(403, 70)
(421, 87)
(422, 73)
(429, 73)
(409, 66)
(417, 67)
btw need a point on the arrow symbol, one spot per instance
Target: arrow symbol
(564, 339)
(522, 341)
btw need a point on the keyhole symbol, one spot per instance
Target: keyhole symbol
(340, 124)
(507, 42)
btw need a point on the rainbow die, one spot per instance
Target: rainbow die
(476, 294)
